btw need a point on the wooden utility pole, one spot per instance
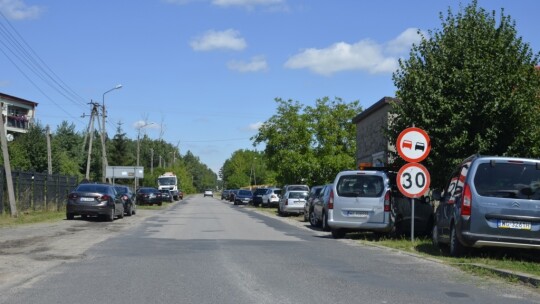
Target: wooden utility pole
(49, 152)
(7, 166)
(91, 137)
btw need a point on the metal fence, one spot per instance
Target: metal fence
(36, 191)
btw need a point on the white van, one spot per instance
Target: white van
(360, 201)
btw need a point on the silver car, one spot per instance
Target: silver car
(360, 201)
(292, 202)
(489, 201)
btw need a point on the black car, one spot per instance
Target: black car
(149, 196)
(94, 200)
(257, 196)
(128, 198)
(243, 197)
(166, 195)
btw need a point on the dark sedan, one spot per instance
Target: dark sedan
(128, 198)
(149, 196)
(166, 195)
(94, 200)
(243, 197)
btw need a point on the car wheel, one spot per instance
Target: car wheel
(312, 220)
(70, 216)
(338, 233)
(121, 215)
(435, 236)
(324, 223)
(110, 218)
(129, 212)
(456, 248)
(160, 203)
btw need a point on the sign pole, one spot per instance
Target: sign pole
(412, 219)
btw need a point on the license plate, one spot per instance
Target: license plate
(87, 199)
(357, 213)
(514, 225)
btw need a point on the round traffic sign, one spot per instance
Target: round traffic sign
(413, 145)
(413, 180)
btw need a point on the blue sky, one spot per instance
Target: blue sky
(206, 72)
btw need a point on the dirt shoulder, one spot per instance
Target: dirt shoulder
(26, 252)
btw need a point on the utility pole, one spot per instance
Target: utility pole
(91, 137)
(151, 160)
(7, 165)
(49, 153)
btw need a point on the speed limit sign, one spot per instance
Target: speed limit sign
(413, 180)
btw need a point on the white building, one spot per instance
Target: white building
(17, 113)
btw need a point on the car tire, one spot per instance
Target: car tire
(160, 203)
(435, 236)
(129, 212)
(324, 223)
(456, 248)
(338, 233)
(70, 216)
(312, 220)
(110, 217)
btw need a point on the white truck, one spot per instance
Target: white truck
(169, 181)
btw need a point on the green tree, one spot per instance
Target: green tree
(29, 150)
(121, 152)
(66, 150)
(473, 87)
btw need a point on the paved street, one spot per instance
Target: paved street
(203, 250)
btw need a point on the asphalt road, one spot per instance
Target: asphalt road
(203, 250)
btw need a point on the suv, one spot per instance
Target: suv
(313, 193)
(489, 201)
(318, 213)
(271, 197)
(208, 192)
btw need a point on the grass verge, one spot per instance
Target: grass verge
(31, 217)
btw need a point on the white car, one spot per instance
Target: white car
(292, 202)
(208, 193)
(271, 197)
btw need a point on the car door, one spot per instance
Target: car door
(454, 190)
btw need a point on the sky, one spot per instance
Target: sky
(204, 74)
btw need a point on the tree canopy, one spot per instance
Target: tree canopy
(472, 85)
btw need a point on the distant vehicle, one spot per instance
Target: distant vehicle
(169, 181)
(232, 194)
(258, 196)
(94, 200)
(208, 192)
(313, 193)
(149, 196)
(128, 197)
(292, 202)
(489, 201)
(271, 197)
(318, 214)
(166, 195)
(243, 197)
(225, 194)
(288, 188)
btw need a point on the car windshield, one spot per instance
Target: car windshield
(298, 194)
(167, 181)
(278, 192)
(515, 180)
(360, 185)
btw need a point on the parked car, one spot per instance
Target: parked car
(313, 193)
(271, 197)
(166, 195)
(489, 201)
(243, 197)
(257, 196)
(288, 188)
(149, 196)
(225, 194)
(232, 195)
(208, 192)
(292, 202)
(318, 213)
(94, 200)
(128, 198)
(360, 201)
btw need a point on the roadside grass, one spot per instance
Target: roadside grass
(31, 217)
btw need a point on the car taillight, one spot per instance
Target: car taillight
(104, 197)
(467, 201)
(72, 196)
(387, 202)
(125, 197)
(331, 200)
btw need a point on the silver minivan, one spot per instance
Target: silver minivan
(360, 201)
(489, 201)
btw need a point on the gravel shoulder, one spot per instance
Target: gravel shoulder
(28, 251)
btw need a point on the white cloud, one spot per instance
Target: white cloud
(141, 124)
(211, 40)
(404, 41)
(256, 64)
(255, 126)
(18, 10)
(364, 55)
(247, 3)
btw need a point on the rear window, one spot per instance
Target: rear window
(360, 185)
(121, 190)
(298, 187)
(92, 188)
(244, 192)
(515, 180)
(260, 191)
(299, 195)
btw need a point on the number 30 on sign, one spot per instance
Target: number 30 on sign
(413, 180)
